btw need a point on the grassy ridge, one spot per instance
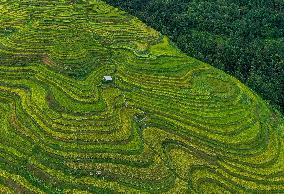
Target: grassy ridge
(167, 123)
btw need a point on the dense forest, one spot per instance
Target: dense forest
(245, 38)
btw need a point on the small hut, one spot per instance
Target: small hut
(107, 78)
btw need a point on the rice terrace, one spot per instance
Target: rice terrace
(95, 101)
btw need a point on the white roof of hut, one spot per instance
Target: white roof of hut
(107, 78)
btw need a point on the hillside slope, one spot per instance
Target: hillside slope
(166, 123)
(243, 38)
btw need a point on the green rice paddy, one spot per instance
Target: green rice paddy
(166, 123)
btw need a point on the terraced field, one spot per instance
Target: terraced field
(167, 123)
